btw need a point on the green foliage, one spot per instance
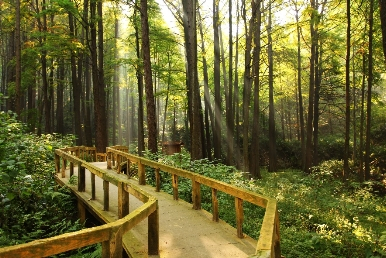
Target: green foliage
(32, 206)
(319, 215)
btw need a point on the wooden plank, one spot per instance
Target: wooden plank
(63, 168)
(81, 178)
(196, 195)
(239, 217)
(57, 162)
(267, 231)
(92, 186)
(215, 205)
(81, 211)
(157, 180)
(175, 186)
(141, 174)
(153, 233)
(71, 169)
(123, 201)
(106, 191)
(113, 248)
(246, 195)
(55, 245)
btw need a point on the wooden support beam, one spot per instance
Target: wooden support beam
(141, 174)
(215, 205)
(239, 217)
(92, 186)
(57, 163)
(106, 191)
(196, 194)
(153, 232)
(175, 186)
(157, 180)
(81, 178)
(113, 248)
(71, 169)
(123, 201)
(63, 170)
(109, 160)
(81, 211)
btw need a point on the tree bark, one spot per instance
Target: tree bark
(190, 36)
(347, 134)
(216, 78)
(150, 102)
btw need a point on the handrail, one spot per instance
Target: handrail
(110, 234)
(268, 244)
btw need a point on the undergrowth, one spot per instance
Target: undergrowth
(319, 215)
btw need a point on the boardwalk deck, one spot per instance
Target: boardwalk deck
(184, 232)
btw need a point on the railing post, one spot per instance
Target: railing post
(81, 211)
(128, 168)
(239, 217)
(123, 201)
(81, 178)
(57, 163)
(215, 205)
(153, 232)
(108, 159)
(175, 186)
(106, 195)
(157, 180)
(141, 173)
(196, 194)
(113, 248)
(118, 164)
(92, 186)
(277, 236)
(71, 169)
(63, 170)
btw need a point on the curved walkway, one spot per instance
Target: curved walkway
(183, 231)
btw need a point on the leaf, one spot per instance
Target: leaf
(11, 196)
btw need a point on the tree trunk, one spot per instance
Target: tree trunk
(18, 60)
(235, 108)
(60, 98)
(229, 100)
(369, 88)
(150, 103)
(299, 86)
(254, 166)
(141, 134)
(76, 88)
(247, 84)
(96, 50)
(311, 93)
(216, 78)
(190, 35)
(347, 135)
(272, 129)
(207, 100)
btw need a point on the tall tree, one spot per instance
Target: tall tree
(347, 135)
(96, 49)
(76, 88)
(216, 79)
(229, 100)
(254, 166)
(18, 59)
(272, 130)
(369, 91)
(311, 93)
(150, 102)
(190, 35)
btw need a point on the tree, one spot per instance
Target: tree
(190, 36)
(150, 103)
(96, 49)
(347, 135)
(216, 78)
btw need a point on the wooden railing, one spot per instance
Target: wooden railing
(268, 244)
(110, 235)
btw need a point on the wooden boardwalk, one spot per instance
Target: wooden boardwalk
(183, 231)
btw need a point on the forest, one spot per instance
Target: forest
(288, 93)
